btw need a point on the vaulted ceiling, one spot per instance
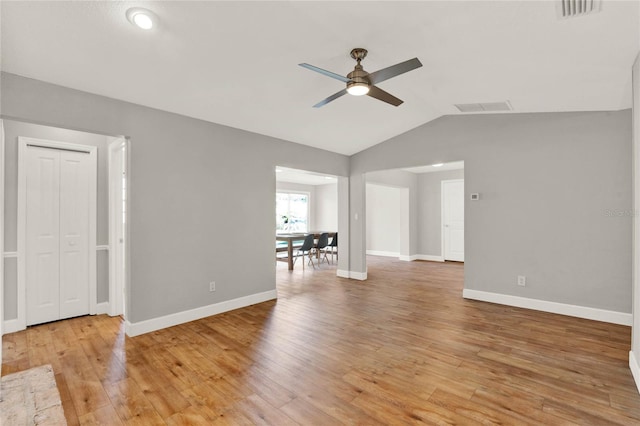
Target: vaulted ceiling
(236, 63)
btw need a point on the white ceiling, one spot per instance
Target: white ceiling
(236, 63)
(304, 177)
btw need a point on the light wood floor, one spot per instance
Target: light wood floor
(400, 348)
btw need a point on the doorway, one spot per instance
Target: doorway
(305, 202)
(387, 224)
(453, 220)
(57, 203)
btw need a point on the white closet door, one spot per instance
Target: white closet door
(453, 212)
(74, 233)
(42, 236)
(57, 234)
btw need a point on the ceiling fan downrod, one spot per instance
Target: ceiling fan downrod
(359, 82)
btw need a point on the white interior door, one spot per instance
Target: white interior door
(74, 233)
(58, 209)
(453, 219)
(43, 235)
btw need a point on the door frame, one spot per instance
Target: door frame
(22, 226)
(442, 237)
(1, 241)
(116, 290)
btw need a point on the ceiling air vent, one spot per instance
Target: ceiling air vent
(575, 8)
(485, 107)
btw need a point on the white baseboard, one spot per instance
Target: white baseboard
(102, 308)
(595, 314)
(430, 258)
(342, 273)
(635, 369)
(11, 326)
(410, 258)
(147, 326)
(358, 275)
(351, 274)
(383, 253)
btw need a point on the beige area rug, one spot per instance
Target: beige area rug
(31, 398)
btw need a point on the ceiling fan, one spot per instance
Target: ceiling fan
(359, 82)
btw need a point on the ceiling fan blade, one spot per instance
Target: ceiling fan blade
(378, 93)
(325, 72)
(394, 70)
(331, 98)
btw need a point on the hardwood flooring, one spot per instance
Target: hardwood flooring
(402, 347)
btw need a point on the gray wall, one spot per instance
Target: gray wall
(12, 130)
(344, 225)
(199, 193)
(554, 191)
(430, 210)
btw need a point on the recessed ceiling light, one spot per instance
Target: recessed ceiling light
(141, 18)
(437, 165)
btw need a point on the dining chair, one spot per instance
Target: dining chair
(320, 248)
(333, 245)
(306, 249)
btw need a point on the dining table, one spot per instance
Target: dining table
(294, 240)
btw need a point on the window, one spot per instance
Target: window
(292, 212)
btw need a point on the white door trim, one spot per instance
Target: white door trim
(1, 241)
(442, 237)
(22, 226)
(116, 296)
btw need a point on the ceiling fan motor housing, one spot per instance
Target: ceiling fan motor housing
(358, 77)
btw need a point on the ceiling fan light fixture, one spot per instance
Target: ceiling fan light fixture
(360, 82)
(358, 89)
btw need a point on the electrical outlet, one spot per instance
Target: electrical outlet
(212, 286)
(522, 280)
